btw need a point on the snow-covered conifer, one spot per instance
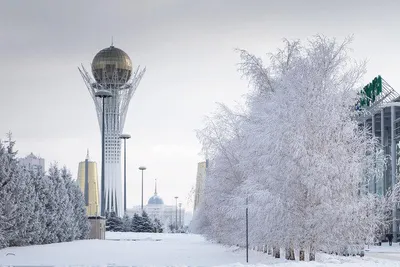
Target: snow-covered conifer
(79, 212)
(136, 222)
(114, 223)
(158, 227)
(126, 223)
(147, 224)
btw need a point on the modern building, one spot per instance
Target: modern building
(381, 106)
(155, 208)
(88, 183)
(33, 163)
(112, 71)
(200, 179)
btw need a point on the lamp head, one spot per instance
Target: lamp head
(125, 136)
(103, 93)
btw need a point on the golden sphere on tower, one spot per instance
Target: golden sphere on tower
(112, 66)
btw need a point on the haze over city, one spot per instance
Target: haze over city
(188, 50)
(271, 127)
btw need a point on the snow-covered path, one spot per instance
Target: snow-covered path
(133, 249)
(385, 252)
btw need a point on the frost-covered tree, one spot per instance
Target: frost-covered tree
(54, 218)
(79, 211)
(296, 151)
(146, 225)
(27, 224)
(77, 222)
(36, 208)
(126, 223)
(64, 214)
(141, 223)
(222, 140)
(136, 222)
(39, 184)
(114, 223)
(158, 227)
(9, 204)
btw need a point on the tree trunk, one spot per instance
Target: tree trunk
(296, 254)
(302, 255)
(290, 254)
(276, 252)
(282, 253)
(312, 255)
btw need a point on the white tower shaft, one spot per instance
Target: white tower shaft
(115, 109)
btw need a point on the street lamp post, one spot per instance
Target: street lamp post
(103, 94)
(176, 213)
(247, 230)
(180, 215)
(142, 168)
(125, 136)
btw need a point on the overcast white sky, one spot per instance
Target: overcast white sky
(187, 47)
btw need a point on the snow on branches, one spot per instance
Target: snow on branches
(36, 208)
(297, 152)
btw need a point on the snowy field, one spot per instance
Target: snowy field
(136, 249)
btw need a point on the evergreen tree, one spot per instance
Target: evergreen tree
(36, 208)
(126, 223)
(136, 222)
(8, 200)
(28, 217)
(20, 191)
(80, 215)
(78, 224)
(38, 181)
(158, 227)
(114, 223)
(171, 227)
(147, 225)
(56, 198)
(67, 212)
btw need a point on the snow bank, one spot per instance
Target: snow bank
(152, 249)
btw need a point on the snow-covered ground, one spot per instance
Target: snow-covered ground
(385, 251)
(136, 249)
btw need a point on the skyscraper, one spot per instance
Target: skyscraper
(88, 183)
(112, 71)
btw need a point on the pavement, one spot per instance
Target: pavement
(384, 252)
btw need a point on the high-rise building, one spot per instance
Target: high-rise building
(200, 179)
(88, 183)
(32, 163)
(381, 116)
(112, 71)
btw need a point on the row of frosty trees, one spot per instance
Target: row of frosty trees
(137, 223)
(36, 208)
(296, 151)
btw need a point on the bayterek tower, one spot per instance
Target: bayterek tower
(112, 71)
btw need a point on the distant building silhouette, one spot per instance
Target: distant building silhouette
(156, 208)
(200, 179)
(88, 183)
(32, 163)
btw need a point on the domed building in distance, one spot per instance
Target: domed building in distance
(155, 208)
(155, 200)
